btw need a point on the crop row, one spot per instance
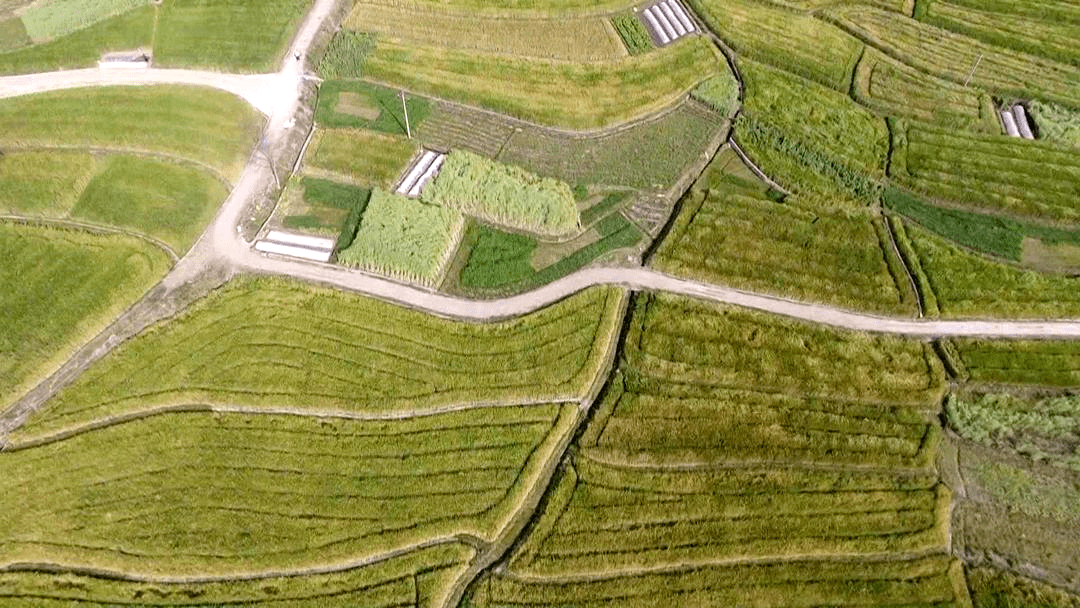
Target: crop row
(684, 341)
(834, 257)
(1021, 362)
(784, 38)
(1011, 175)
(890, 87)
(565, 94)
(929, 582)
(952, 56)
(1045, 33)
(204, 493)
(593, 528)
(394, 582)
(458, 127)
(273, 343)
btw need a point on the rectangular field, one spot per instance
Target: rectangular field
(269, 343)
(1045, 363)
(572, 37)
(82, 48)
(360, 157)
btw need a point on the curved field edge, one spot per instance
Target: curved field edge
(165, 497)
(62, 287)
(425, 573)
(273, 343)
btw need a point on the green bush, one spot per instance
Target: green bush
(504, 195)
(633, 33)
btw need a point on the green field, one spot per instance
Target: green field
(202, 125)
(1040, 30)
(575, 38)
(50, 20)
(650, 155)
(360, 157)
(997, 589)
(1056, 123)
(969, 285)
(784, 38)
(574, 95)
(633, 33)
(246, 36)
(1030, 179)
(730, 232)
(46, 183)
(424, 574)
(890, 87)
(501, 262)
(1047, 363)
(362, 105)
(404, 238)
(62, 287)
(83, 48)
(267, 343)
(202, 493)
(504, 194)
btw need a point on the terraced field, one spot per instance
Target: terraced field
(314, 491)
(416, 578)
(739, 456)
(61, 288)
(730, 232)
(271, 344)
(1020, 362)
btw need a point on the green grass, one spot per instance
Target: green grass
(202, 125)
(951, 56)
(404, 238)
(1044, 32)
(504, 194)
(84, 47)
(577, 37)
(245, 36)
(1028, 492)
(1028, 179)
(998, 236)
(650, 155)
(212, 493)
(270, 343)
(61, 288)
(364, 158)
(1000, 589)
(169, 201)
(555, 93)
(729, 234)
(1056, 123)
(338, 97)
(810, 137)
(633, 33)
(502, 262)
(386, 583)
(1041, 429)
(327, 194)
(784, 38)
(890, 87)
(721, 93)
(1021, 362)
(50, 20)
(968, 285)
(46, 183)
